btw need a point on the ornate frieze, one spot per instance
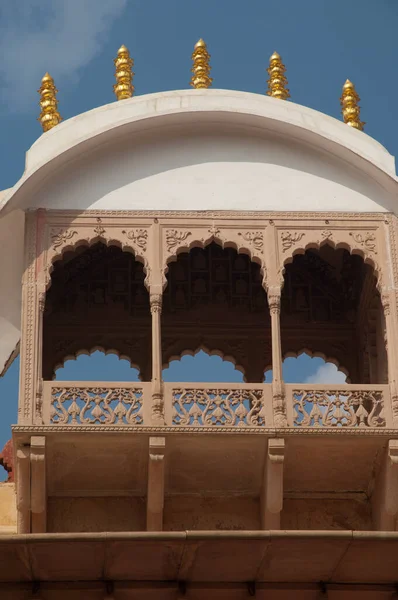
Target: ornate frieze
(218, 407)
(96, 406)
(338, 408)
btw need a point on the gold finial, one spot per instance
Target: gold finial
(349, 106)
(201, 67)
(123, 87)
(277, 82)
(49, 116)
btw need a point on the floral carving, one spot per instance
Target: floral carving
(255, 238)
(290, 238)
(91, 406)
(175, 237)
(99, 230)
(214, 231)
(60, 236)
(218, 407)
(326, 234)
(338, 408)
(139, 237)
(366, 240)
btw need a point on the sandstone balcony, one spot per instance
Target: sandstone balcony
(218, 462)
(208, 407)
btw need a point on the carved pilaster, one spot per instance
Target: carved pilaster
(27, 390)
(272, 490)
(278, 392)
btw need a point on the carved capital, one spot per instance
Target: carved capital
(274, 299)
(156, 303)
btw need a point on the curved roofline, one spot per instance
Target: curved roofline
(78, 134)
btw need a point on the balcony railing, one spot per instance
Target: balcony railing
(218, 406)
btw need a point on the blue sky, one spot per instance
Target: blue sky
(321, 42)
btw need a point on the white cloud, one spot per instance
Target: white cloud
(326, 373)
(58, 36)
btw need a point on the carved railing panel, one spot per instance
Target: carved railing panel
(339, 406)
(219, 405)
(94, 404)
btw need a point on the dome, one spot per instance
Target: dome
(191, 150)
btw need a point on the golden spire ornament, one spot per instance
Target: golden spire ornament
(201, 66)
(277, 82)
(350, 107)
(49, 116)
(123, 87)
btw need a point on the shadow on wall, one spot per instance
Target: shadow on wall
(136, 159)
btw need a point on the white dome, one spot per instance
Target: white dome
(191, 150)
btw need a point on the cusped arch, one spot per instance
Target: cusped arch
(210, 352)
(354, 250)
(317, 354)
(98, 348)
(179, 244)
(58, 253)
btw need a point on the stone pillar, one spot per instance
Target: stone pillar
(38, 487)
(155, 494)
(157, 384)
(272, 488)
(278, 392)
(23, 489)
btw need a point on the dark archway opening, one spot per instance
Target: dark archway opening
(97, 301)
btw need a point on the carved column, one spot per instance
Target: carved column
(278, 392)
(38, 490)
(272, 489)
(23, 489)
(157, 384)
(155, 494)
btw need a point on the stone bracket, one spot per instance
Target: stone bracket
(272, 490)
(156, 473)
(385, 496)
(38, 488)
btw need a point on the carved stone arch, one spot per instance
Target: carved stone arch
(293, 243)
(178, 241)
(174, 354)
(74, 349)
(88, 352)
(318, 354)
(62, 241)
